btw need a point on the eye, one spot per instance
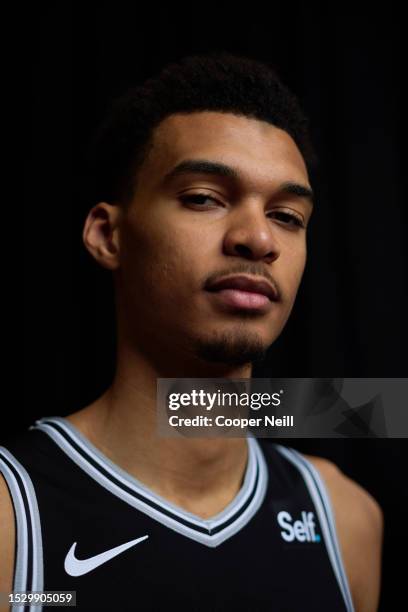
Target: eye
(197, 198)
(285, 217)
(288, 218)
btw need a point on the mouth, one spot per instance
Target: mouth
(244, 292)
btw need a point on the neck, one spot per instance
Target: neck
(201, 475)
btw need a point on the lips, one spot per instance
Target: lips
(245, 283)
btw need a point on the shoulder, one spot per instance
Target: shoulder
(359, 525)
(7, 538)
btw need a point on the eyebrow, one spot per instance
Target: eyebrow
(204, 166)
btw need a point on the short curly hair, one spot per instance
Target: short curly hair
(214, 81)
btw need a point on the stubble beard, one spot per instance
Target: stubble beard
(235, 347)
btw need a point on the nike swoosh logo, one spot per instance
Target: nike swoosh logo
(78, 567)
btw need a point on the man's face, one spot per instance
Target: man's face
(174, 241)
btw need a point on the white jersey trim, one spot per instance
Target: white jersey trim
(210, 532)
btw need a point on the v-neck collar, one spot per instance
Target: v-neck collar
(211, 532)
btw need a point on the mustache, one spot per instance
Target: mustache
(244, 269)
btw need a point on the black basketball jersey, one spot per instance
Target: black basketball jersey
(83, 524)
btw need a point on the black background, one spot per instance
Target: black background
(347, 67)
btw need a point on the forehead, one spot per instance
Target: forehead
(258, 149)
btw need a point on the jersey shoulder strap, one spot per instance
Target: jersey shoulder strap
(320, 497)
(28, 551)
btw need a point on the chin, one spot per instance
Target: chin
(232, 348)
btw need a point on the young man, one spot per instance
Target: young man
(203, 204)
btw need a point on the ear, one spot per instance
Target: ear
(101, 234)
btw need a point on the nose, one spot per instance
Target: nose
(251, 235)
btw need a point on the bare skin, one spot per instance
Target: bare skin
(162, 249)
